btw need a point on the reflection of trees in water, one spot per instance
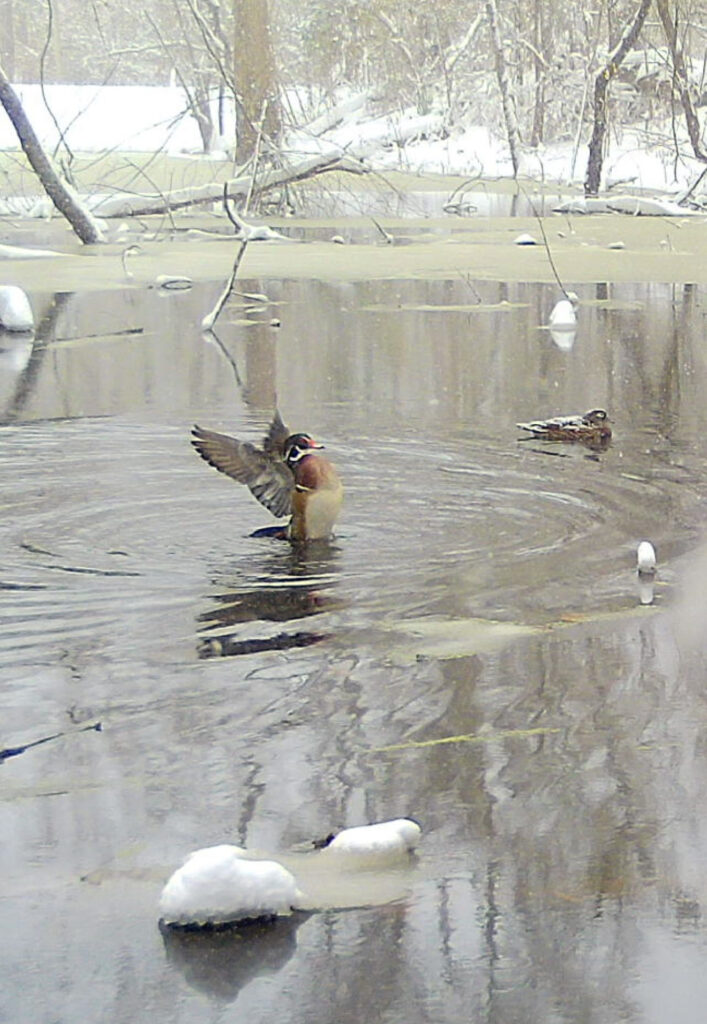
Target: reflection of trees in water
(27, 379)
(658, 341)
(547, 849)
(678, 356)
(576, 840)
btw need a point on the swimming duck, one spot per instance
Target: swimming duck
(219, 885)
(592, 428)
(286, 475)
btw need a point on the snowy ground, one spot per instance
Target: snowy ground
(148, 119)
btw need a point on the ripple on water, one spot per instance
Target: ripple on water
(111, 526)
(508, 530)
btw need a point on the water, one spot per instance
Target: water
(479, 588)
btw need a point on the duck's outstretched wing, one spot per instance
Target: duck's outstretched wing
(274, 440)
(269, 480)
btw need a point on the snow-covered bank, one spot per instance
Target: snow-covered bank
(95, 118)
(407, 142)
(150, 119)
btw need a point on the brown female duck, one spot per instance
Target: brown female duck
(592, 428)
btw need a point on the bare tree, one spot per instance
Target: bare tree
(63, 198)
(680, 78)
(627, 41)
(509, 112)
(540, 43)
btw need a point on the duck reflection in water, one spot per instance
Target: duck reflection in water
(293, 584)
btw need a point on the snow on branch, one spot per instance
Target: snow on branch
(124, 205)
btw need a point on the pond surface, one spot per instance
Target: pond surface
(480, 590)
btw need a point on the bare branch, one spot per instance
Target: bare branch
(210, 319)
(42, 65)
(256, 155)
(680, 80)
(125, 206)
(454, 52)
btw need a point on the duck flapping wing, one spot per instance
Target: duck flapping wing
(268, 478)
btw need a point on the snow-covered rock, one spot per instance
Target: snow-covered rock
(645, 558)
(220, 885)
(563, 315)
(384, 839)
(15, 310)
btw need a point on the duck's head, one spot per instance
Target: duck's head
(597, 417)
(297, 446)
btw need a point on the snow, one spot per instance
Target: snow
(148, 119)
(15, 310)
(94, 118)
(382, 839)
(645, 558)
(563, 313)
(224, 884)
(429, 144)
(219, 885)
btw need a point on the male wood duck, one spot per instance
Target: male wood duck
(591, 429)
(286, 475)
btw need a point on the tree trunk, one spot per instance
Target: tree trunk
(63, 198)
(592, 180)
(539, 67)
(509, 113)
(255, 76)
(680, 80)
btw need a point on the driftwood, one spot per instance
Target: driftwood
(134, 206)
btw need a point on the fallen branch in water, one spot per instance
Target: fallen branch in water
(137, 206)
(210, 319)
